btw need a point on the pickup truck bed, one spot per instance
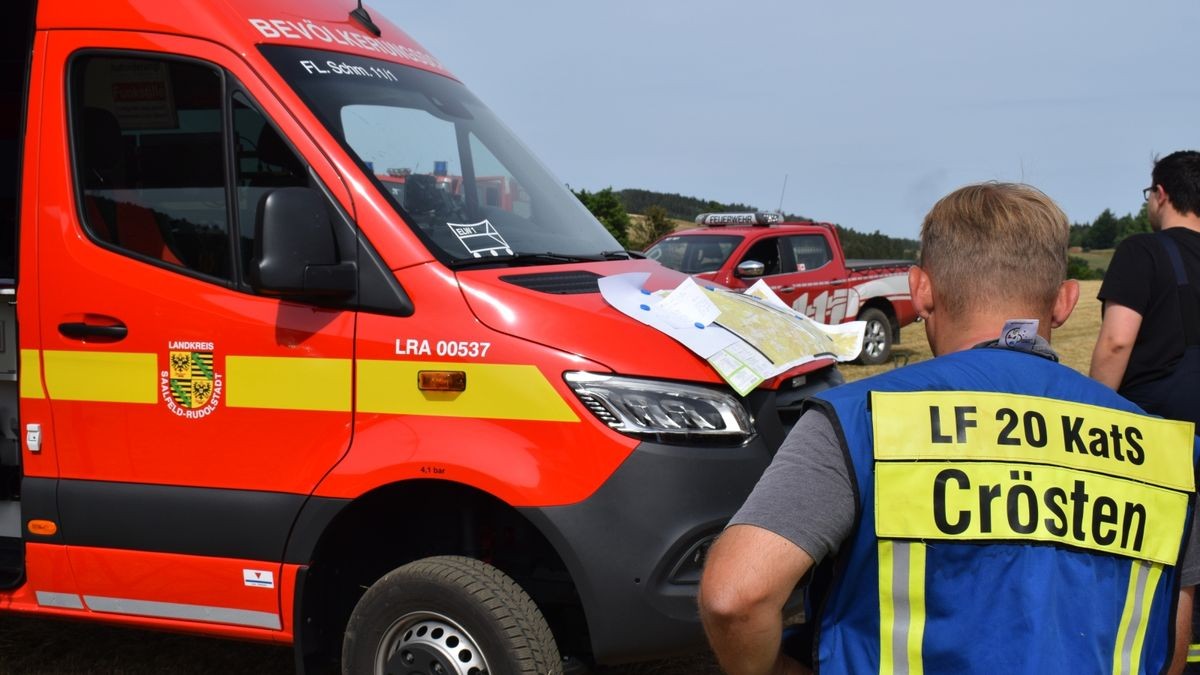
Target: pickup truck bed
(861, 265)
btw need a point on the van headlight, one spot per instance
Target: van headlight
(667, 412)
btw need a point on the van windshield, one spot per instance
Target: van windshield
(452, 170)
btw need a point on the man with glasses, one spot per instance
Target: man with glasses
(1149, 343)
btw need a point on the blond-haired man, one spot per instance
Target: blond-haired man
(986, 510)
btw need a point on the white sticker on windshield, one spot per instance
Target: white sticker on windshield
(480, 238)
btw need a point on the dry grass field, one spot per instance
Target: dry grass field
(1073, 342)
(1097, 259)
(44, 647)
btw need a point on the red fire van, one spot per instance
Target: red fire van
(249, 389)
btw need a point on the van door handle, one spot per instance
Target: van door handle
(82, 331)
(786, 289)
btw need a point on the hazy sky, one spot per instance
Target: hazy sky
(872, 109)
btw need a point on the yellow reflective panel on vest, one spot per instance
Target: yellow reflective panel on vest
(967, 501)
(968, 425)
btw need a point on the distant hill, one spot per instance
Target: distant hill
(677, 206)
(856, 244)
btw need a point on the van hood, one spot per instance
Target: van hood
(561, 307)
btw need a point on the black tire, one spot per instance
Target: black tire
(877, 340)
(458, 614)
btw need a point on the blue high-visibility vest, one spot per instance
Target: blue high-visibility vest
(1013, 516)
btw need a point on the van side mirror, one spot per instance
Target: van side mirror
(295, 249)
(750, 268)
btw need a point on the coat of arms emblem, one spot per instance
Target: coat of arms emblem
(190, 385)
(191, 378)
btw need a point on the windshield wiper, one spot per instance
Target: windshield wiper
(525, 258)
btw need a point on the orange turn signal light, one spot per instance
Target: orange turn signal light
(45, 528)
(441, 380)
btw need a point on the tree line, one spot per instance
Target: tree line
(676, 205)
(655, 211)
(1107, 230)
(611, 208)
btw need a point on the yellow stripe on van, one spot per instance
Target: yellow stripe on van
(31, 374)
(287, 383)
(109, 377)
(494, 391)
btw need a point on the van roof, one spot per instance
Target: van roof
(316, 24)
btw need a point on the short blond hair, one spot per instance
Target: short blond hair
(995, 244)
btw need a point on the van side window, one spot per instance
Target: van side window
(148, 151)
(414, 155)
(811, 251)
(497, 189)
(264, 161)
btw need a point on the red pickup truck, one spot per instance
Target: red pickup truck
(804, 264)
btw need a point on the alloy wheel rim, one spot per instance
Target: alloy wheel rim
(874, 338)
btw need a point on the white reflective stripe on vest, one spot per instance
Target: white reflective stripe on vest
(901, 606)
(1131, 632)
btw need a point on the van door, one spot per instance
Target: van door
(16, 46)
(192, 416)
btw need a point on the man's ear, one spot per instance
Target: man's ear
(921, 288)
(1064, 302)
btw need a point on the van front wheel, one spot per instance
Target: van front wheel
(448, 615)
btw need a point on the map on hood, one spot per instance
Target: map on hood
(746, 337)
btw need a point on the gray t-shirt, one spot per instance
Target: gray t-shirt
(806, 496)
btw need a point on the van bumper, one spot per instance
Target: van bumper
(635, 548)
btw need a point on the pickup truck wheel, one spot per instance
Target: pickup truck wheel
(448, 615)
(877, 340)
